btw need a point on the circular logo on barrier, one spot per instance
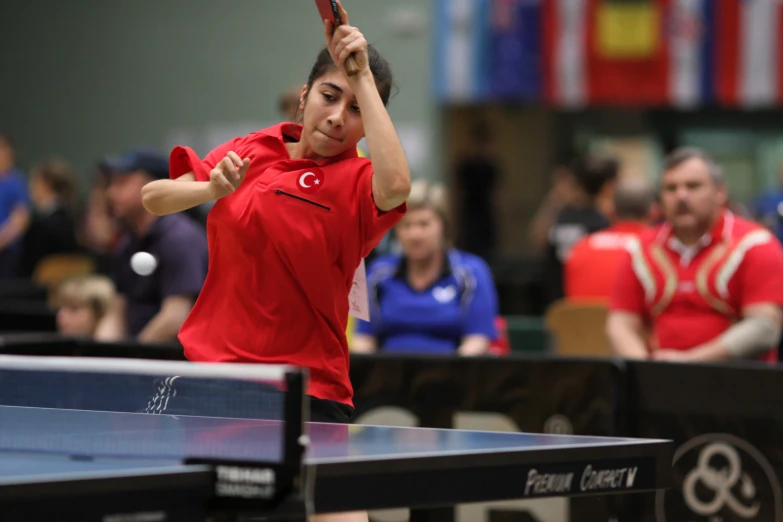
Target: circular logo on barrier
(558, 425)
(720, 477)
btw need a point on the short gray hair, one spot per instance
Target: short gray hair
(681, 155)
(633, 198)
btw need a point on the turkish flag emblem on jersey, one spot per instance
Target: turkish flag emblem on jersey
(310, 181)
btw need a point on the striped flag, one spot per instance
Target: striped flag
(572, 53)
(726, 51)
(461, 58)
(709, 51)
(690, 33)
(516, 50)
(748, 43)
(605, 52)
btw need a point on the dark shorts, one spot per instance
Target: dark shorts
(322, 410)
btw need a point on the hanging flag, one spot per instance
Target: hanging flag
(515, 49)
(627, 29)
(690, 38)
(634, 74)
(576, 53)
(748, 54)
(461, 57)
(726, 51)
(564, 43)
(591, 64)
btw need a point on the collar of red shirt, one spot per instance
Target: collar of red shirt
(294, 131)
(722, 229)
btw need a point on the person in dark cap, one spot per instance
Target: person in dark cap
(150, 307)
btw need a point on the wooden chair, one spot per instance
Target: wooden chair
(54, 269)
(579, 328)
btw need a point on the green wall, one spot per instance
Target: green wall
(81, 78)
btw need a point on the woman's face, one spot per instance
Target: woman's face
(39, 190)
(76, 319)
(332, 123)
(420, 233)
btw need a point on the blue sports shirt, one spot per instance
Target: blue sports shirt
(462, 301)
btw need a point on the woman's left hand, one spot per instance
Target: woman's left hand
(344, 41)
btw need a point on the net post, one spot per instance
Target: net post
(296, 413)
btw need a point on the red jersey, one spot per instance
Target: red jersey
(283, 249)
(592, 263)
(689, 296)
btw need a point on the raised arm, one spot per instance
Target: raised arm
(391, 181)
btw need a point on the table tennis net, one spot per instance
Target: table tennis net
(129, 408)
(152, 387)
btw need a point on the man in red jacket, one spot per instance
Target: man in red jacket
(707, 283)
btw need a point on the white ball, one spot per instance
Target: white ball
(143, 263)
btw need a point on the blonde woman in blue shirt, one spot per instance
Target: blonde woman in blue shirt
(431, 298)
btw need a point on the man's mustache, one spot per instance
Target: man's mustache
(682, 207)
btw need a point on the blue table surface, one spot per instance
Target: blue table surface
(44, 441)
(16, 468)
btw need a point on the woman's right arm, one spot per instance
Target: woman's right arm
(167, 196)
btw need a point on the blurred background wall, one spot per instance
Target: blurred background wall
(92, 76)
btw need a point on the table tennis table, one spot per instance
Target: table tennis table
(110, 466)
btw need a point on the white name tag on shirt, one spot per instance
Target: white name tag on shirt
(358, 299)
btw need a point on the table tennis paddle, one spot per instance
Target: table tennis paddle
(329, 11)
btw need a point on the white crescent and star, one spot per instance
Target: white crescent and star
(303, 180)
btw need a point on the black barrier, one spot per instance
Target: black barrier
(727, 425)
(517, 393)
(22, 289)
(44, 344)
(22, 315)
(37, 343)
(537, 394)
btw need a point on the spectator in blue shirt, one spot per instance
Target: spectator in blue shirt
(14, 208)
(431, 298)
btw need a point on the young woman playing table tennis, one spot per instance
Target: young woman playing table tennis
(296, 211)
